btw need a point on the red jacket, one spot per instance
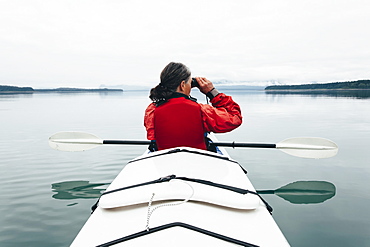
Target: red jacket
(223, 116)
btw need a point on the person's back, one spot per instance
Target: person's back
(178, 122)
(173, 119)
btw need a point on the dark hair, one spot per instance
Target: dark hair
(171, 77)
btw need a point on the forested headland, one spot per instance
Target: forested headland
(348, 85)
(20, 90)
(13, 89)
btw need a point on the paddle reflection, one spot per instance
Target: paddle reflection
(77, 190)
(299, 192)
(304, 192)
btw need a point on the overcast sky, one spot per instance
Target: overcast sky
(86, 43)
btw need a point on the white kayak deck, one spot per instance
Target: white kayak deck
(220, 211)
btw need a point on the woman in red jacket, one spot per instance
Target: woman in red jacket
(175, 118)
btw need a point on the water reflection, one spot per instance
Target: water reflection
(6, 96)
(304, 192)
(77, 190)
(358, 94)
(299, 192)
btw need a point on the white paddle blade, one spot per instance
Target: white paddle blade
(308, 147)
(74, 141)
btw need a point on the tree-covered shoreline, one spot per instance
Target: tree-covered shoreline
(15, 89)
(348, 85)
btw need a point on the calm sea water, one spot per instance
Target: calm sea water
(39, 206)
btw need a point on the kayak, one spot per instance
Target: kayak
(185, 196)
(181, 196)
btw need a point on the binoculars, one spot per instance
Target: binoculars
(194, 82)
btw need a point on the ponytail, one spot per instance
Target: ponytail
(171, 77)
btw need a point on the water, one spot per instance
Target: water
(39, 208)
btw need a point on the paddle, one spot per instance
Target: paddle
(306, 147)
(304, 192)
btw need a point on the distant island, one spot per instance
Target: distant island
(313, 87)
(13, 89)
(29, 90)
(348, 85)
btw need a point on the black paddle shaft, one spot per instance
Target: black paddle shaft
(243, 145)
(126, 142)
(219, 144)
